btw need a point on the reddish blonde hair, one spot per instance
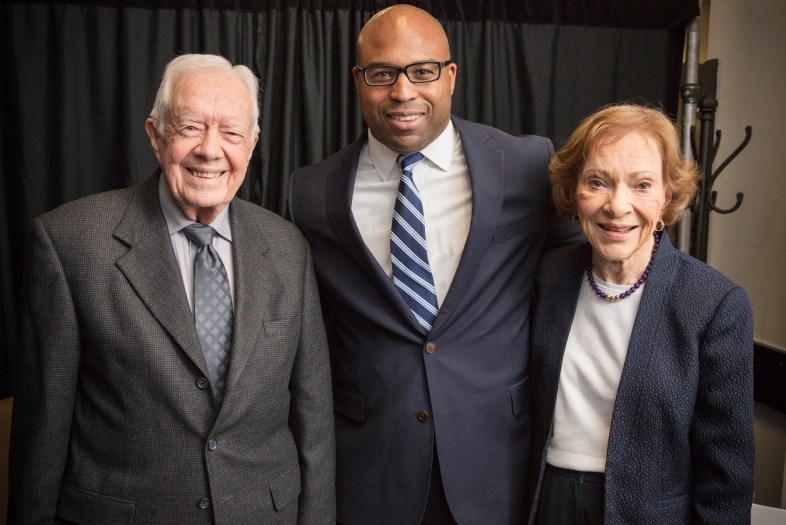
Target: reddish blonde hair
(680, 176)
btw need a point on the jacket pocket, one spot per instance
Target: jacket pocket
(674, 510)
(515, 228)
(520, 396)
(348, 403)
(675, 501)
(85, 506)
(285, 488)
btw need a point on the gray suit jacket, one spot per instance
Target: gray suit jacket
(470, 374)
(113, 416)
(681, 441)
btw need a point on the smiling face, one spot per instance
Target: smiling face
(207, 143)
(621, 196)
(406, 117)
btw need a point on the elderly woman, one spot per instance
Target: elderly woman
(642, 357)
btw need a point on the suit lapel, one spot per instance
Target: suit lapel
(253, 289)
(640, 355)
(340, 185)
(152, 270)
(486, 168)
(556, 313)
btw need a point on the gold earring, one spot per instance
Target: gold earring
(660, 225)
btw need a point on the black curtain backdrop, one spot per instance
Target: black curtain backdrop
(79, 79)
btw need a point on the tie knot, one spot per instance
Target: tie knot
(199, 234)
(409, 160)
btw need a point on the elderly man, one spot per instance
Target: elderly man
(170, 371)
(426, 234)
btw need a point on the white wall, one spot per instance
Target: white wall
(748, 37)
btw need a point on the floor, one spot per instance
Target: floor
(5, 431)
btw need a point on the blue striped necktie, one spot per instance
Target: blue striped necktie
(411, 271)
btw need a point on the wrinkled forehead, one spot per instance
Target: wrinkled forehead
(221, 92)
(224, 82)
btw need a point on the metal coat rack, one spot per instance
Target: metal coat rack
(704, 202)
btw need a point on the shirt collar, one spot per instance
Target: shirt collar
(440, 152)
(176, 221)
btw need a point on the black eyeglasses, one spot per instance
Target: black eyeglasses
(417, 73)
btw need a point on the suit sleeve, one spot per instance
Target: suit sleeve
(561, 230)
(311, 412)
(289, 212)
(47, 369)
(722, 433)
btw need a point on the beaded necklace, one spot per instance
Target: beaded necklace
(600, 293)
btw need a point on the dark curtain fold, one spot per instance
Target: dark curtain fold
(80, 79)
(652, 14)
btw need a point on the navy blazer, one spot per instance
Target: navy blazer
(681, 441)
(470, 374)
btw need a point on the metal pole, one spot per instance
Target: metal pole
(690, 93)
(707, 150)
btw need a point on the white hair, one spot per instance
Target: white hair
(197, 62)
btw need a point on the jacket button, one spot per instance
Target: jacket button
(204, 503)
(423, 415)
(431, 347)
(202, 383)
(212, 445)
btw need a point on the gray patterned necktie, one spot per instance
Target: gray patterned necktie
(213, 315)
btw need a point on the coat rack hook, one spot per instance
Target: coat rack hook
(748, 132)
(705, 198)
(711, 203)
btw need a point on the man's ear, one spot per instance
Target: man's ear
(358, 76)
(253, 145)
(452, 69)
(152, 132)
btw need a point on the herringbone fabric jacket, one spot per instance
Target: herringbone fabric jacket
(113, 417)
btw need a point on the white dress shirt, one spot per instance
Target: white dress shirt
(185, 250)
(591, 371)
(441, 177)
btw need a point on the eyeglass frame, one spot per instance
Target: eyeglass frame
(400, 70)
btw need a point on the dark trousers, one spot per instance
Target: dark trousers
(437, 511)
(569, 497)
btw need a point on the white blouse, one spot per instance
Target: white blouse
(591, 371)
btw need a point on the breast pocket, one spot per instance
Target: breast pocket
(282, 326)
(517, 227)
(278, 343)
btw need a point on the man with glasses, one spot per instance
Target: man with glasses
(426, 234)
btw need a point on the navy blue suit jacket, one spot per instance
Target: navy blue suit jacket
(475, 384)
(681, 442)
